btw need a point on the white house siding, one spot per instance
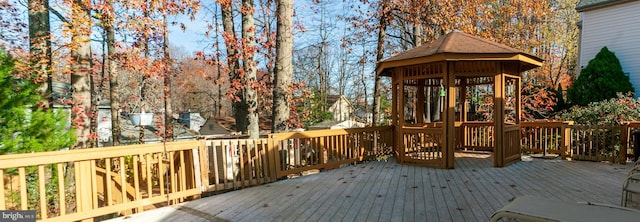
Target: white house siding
(341, 110)
(618, 28)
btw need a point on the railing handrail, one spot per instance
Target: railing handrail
(546, 123)
(51, 157)
(324, 132)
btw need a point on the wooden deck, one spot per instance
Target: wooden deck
(387, 191)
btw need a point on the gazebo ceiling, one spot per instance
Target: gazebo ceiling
(458, 46)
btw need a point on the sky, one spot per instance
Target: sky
(191, 39)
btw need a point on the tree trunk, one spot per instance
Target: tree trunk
(40, 47)
(382, 34)
(283, 69)
(80, 85)
(114, 93)
(363, 78)
(240, 112)
(147, 53)
(168, 109)
(250, 78)
(218, 107)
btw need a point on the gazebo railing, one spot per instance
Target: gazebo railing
(476, 136)
(422, 145)
(593, 143)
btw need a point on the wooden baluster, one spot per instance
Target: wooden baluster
(61, 191)
(42, 191)
(123, 180)
(94, 183)
(149, 175)
(107, 177)
(136, 181)
(183, 173)
(23, 188)
(2, 202)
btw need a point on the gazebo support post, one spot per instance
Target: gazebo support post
(450, 115)
(498, 118)
(394, 119)
(463, 111)
(400, 110)
(420, 102)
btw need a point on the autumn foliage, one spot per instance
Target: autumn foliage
(339, 58)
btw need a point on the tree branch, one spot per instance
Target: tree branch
(57, 14)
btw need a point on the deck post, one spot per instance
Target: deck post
(203, 159)
(566, 138)
(84, 196)
(272, 153)
(564, 145)
(624, 140)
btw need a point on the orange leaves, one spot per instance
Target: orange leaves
(224, 3)
(247, 10)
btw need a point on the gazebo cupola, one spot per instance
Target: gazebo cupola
(430, 101)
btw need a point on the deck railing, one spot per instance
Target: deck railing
(101, 183)
(546, 137)
(579, 142)
(105, 182)
(82, 184)
(234, 163)
(296, 152)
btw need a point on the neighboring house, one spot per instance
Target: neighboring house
(340, 107)
(225, 127)
(129, 133)
(217, 127)
(614, 24)
(362, 112)
(192, 120)
(336, 125)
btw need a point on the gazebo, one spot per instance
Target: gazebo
(434, 79)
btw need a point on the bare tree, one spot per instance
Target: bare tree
(250, 97)
(377, 90)
(283, 67)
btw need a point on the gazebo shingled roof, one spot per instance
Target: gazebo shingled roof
(452, 47)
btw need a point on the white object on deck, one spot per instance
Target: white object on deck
(532, 208)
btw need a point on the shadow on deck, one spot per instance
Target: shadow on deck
(387, 191)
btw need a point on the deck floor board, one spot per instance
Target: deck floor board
(387, 191)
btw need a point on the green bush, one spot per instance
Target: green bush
(315, 107)
(613, 111)
(600, 80)
(24, 126)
